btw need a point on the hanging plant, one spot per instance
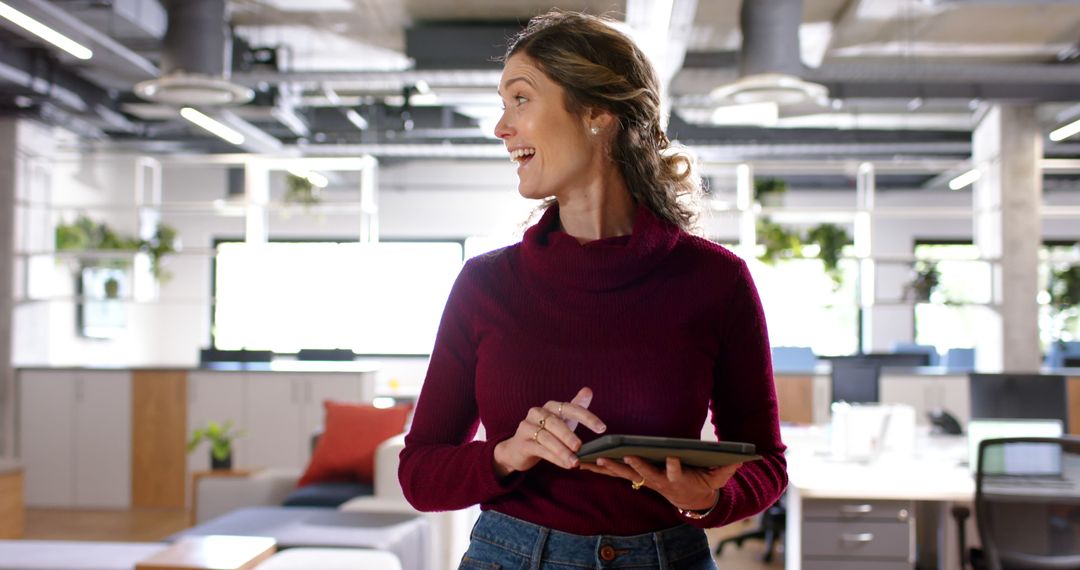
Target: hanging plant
(300, 190)
(830, 239)
(769, 191)
(779, 242)
(923, 283)
(162, 244)
(86, 234)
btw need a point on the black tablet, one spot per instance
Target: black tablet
(657, 449)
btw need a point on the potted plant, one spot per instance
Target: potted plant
(220, 437)
(779, 242)
(925, 281)
(300, 190)
(112, 288)
(769, 191)
(830, 239)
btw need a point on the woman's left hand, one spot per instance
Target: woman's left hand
(689, 488)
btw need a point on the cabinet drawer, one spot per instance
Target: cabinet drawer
(864, 539)
(858, 509)
(837, 564)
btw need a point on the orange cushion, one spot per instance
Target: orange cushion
(346, 449)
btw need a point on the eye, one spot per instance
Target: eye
(520, 100)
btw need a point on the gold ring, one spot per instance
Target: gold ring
(541, 422)
(537, 434)
(638, 484)
(560, 410)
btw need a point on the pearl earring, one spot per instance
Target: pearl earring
(595, 130)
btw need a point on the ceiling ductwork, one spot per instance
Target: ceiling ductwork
(195, 60)
(770, 64)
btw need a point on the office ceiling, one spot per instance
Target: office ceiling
(905, 77)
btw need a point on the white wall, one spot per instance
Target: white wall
(418, 199)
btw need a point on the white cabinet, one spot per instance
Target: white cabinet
(283, 410)
(75, 438)
(219, 397)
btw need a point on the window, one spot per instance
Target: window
(815, 313)
(950, 318)
(384, 298)
(1056, 325)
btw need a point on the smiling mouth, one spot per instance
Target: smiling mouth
(522, 156)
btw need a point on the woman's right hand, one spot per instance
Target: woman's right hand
(548, 433)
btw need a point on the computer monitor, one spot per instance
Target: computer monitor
(1072, 362)
(855, 380)
(1018, 396)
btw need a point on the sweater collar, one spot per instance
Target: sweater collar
(601, 264)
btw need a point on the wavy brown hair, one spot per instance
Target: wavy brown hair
(599, 67)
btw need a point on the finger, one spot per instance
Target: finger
(674, 469)
(576, 411)
(719, 477)
(546, 446)
(620, 469)
(559, 429)
(646, 469)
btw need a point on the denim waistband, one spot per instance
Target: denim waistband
(538, 544)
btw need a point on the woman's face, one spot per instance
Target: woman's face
(551, 146)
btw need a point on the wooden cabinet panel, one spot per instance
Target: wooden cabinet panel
(795, 398)
(11, 502)
(158, 445)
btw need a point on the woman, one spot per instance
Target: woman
(607, 315)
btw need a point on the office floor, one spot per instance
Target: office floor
(153, 525)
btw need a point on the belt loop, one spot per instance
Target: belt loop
(661, 553)
(538, 548)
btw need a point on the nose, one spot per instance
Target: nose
(502, 129)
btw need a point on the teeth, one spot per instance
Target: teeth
(518, 154)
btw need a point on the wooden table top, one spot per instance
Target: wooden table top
(213, 552)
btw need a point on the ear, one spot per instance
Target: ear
(599, 118)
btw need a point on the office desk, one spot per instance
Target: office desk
(867, 515)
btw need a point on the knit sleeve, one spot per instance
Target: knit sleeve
(744, 407)
(441, 468)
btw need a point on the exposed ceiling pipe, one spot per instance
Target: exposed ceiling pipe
(195, 58)
(46, 83)
(374, 80)
(770, 64)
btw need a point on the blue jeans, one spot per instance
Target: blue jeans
(501, 542)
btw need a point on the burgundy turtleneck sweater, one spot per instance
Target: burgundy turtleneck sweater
(660, 324)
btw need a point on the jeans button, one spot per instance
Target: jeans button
(607, 553)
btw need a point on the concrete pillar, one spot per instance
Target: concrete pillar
(1007, 150)
(8, 139)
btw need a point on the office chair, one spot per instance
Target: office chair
(773, 521)
(1027, 505)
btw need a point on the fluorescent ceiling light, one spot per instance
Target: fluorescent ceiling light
(1066, 131)
(212, 125)
(759, 114)
(356, 119)
(45, 32)
(964, 179)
